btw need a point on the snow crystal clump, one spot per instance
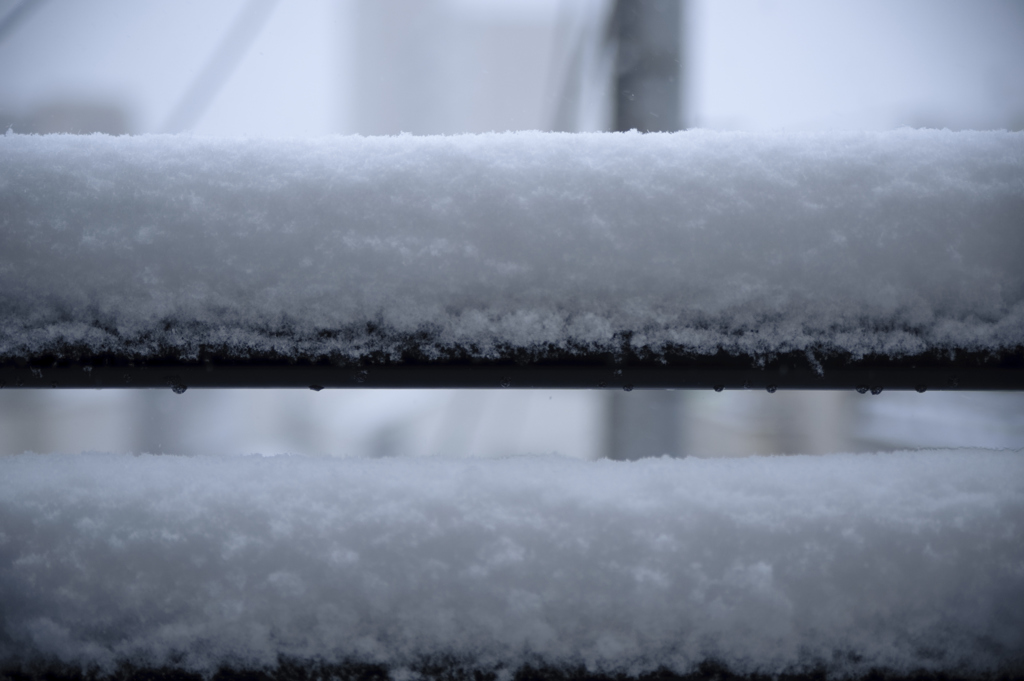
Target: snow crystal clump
(348, 247)
(902, 562)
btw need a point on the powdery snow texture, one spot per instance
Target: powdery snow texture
(908, 561)
(898, 242)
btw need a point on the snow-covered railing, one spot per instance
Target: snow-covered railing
(696, 259)
(889, 566)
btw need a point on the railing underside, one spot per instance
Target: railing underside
(945, 370)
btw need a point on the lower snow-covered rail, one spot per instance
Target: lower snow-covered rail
(696, 259)
(889, 566)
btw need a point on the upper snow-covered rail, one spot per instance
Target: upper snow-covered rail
(696, 259)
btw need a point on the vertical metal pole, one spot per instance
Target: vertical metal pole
(644, 423)
(648, 98)
(648, 65)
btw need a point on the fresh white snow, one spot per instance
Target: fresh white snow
(894, 242)
(906, 561)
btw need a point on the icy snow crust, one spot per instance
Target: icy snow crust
(902, 562)
(348, 247)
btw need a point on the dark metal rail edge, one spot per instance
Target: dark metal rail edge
(300, 670)
(933, 371)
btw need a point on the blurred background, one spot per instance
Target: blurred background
(301, 68)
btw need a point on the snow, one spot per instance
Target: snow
(345, 247)
(900, 562)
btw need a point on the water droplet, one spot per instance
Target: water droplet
(954, 382)
(877, 390)
(506, 382)
(127, 379)
(719, 388)
(360, 376)
(862, 389)
(53, 384)
(921, 388)
(87, 369)
(628, 387)
(772, 388)
(20, 382)
(316, 388)
(178, 388)
(602, 384)
(746, 385)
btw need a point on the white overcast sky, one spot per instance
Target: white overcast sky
(752, 64)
